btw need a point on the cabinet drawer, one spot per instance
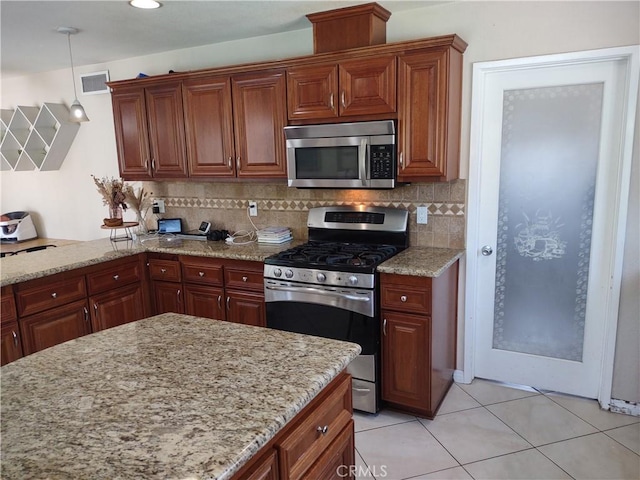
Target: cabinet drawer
(8, 312)
(405, 293)
(244, 278)
(48, 293)
(202, 270)
(114, 277)
(299, 450)
(165, 270)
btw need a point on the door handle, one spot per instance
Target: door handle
(486, 251)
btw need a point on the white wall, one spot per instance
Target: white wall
(67, 202)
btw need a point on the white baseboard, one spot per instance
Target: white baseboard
(458, 376)
(622, 406)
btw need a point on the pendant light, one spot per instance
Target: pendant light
(76, 111)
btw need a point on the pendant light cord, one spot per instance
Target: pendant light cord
(73, 75)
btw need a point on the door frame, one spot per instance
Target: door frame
(481, 73)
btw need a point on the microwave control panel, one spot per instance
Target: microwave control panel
(382, 161)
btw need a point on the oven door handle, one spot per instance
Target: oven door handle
(318, 291)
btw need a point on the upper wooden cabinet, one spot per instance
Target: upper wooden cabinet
(259, 118)
(209, 127)
(149, 127)
(429, 102)
(353, 87)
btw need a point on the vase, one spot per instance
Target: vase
(115, 217)
(142, 224)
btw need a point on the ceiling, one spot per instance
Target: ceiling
(113, 30)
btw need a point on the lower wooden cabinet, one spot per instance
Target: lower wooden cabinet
(418, 340)
(317, 444)
(168, 297)
(51, 327)
(117, 307)
(405, 350)
(204, 301)
(247, 308)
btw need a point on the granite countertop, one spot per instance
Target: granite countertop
(420, 261)
(171, 396)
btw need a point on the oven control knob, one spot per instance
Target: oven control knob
(321, 277)
(353, 280)
(288, 273)
(277, 272)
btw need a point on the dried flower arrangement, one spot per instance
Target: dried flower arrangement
(140, 203)
(113, 195)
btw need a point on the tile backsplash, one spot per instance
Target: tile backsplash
(225, 206)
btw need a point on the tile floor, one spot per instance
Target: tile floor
(487, 430)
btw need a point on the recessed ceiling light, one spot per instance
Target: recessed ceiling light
(145, 4)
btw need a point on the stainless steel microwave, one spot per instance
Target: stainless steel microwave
(342, 155)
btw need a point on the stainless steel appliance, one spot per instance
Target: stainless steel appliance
(345, 155)
(328, 287)
(16, 227)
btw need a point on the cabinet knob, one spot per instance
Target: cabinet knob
(201, 274)
(244, 279)
(323, 430)
(163, 270)
(116, 277)
(403, 298)
(54, 295)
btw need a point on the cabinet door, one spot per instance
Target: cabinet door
(312, 92)
(117, 307)
(204, 301)
(246, 307)
(132, 136)
(405, 360)
(11, 344)
(259, 117)
(368, 86)
(209, 127)
(168, 297)
(428, 133)
(51, 327)
(337, 460)
(166, 130)
(265, 468)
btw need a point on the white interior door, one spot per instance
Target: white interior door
(549, 179)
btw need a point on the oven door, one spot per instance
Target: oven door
(337, 162)
(340, 314)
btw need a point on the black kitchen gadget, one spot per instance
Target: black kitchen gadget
(169, 225)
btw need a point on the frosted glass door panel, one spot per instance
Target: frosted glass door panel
(550, 147)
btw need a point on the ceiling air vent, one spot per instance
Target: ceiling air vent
(94, 83)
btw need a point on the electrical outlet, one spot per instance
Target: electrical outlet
(158, 206)
(422, 214)
(253, 208)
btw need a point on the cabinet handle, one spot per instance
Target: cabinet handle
(244, 279)
(54, 295)
(116, 277)
(163, 270)
(86, 314)
(229, 164)
(219, 302)
(178, 293)
(403, 298)
(238, 162)
(323, 430)
(95, 309)
(384, 327)
(146, 164)
(228, 299)
(331, 105)
(153, 164)
(401, 162)
(201, 274)
(342, 99)
(15, 337)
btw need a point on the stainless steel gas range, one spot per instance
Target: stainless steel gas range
(328, 287)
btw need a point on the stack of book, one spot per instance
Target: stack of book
(274, 235)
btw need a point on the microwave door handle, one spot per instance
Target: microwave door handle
(362, 161)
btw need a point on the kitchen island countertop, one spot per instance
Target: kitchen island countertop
(171, 396)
